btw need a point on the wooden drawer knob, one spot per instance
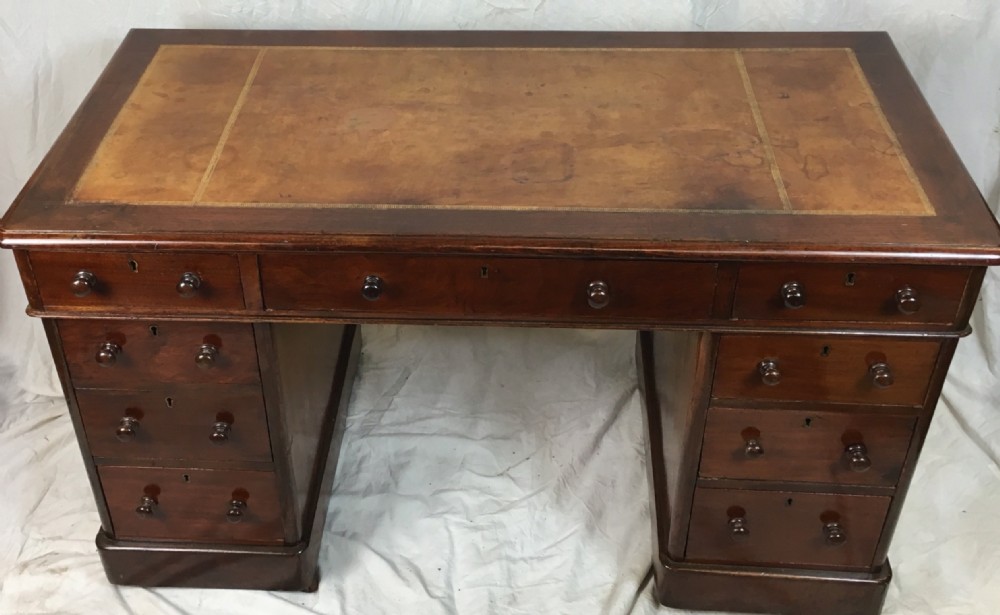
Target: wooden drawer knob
(83, 283)
(372, 287)
(146, 507)
(753, 449)
(127, 428)
(107, 354)
(738, 528)
(881, 375)
(207, 355)
(834, 533)
(237, 508)
(907, 300)
(857, 457)
(598, 295)
(188, 285)
(769, 372)
(793, 295)
(220, 432)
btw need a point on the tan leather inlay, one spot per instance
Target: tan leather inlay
(162, 141)
(607, 129)
(831, 143)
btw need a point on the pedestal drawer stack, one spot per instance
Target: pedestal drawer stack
(801, 442)
(187, 425)
(191, 458)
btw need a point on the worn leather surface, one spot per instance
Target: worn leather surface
(690, 129)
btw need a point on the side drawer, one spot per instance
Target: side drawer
(115, 354)
(785, 529)
(186, 504)
(191, 422)
(143, 281)
(868, 370)
(484, 287)
(847, 448)
(849, 292)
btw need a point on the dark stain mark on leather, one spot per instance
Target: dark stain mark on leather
(541, 163)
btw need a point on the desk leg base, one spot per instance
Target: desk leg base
(155, 564)
(782, 591)
(230, 566)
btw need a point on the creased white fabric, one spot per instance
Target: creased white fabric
(484, 470)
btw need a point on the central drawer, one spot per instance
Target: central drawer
(484, 287)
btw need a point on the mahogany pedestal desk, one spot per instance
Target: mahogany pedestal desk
(780, 215)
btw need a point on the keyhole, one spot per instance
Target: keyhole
(825, 351)
(849, 280)
(484, 272)
(170, 402)
(186, 478)
(788, 502)
(808, 422)
(134, 266)
(153, 330)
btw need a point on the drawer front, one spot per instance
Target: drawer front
(195, 423)
(113, 281)
(116, 354)
(193, 504)
(792, 445)
(869, 293)
(870, 370)
(468, 287)
(785, 528)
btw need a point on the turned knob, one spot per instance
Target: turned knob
(188, 285)
(206, 356)
(220, 432)
(793, 294)
(146, 507)
(107, 354)
(83, 282)
(907, 300)
(127, 428)
(857, 457)
(598, 294)
(769, 372)
(738, 528)
(834, 533)
(372, 287)
(753, 448)
(237, 508)
(881, 375)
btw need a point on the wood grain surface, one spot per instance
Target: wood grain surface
(824, 368)
(191, 504)
(848, 291)
(175, 422)
(804, 445)
(158, 353)
(471, 288)
(785, 528)
(140, 281)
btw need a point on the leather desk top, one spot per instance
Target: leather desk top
(734, 146)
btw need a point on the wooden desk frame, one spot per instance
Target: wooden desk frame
(763, 297)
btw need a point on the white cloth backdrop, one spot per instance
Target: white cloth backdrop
(484, 470)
